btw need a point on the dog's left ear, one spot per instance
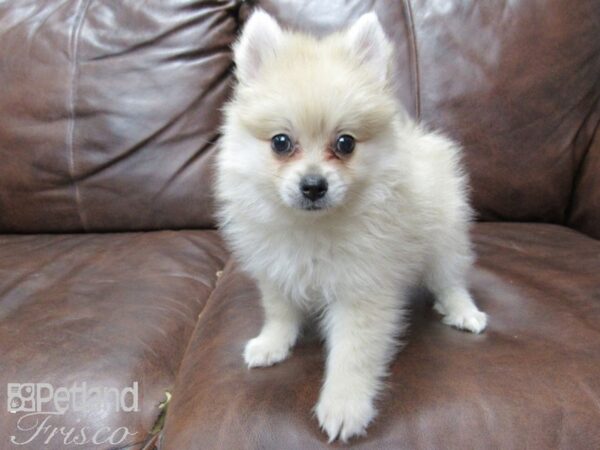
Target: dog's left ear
(259, 40)
(367, 39)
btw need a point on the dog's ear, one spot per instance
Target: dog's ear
(367, 39)
(259, 40)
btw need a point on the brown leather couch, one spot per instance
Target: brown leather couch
(111, 271)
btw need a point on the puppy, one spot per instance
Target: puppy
(337, 204)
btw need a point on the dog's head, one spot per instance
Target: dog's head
(311, 121)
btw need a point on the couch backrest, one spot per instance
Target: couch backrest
(109, 110)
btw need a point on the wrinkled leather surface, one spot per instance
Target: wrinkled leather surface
(515, 82)
(530, 381)
(105, 309)
(585, 204)
(109, 112)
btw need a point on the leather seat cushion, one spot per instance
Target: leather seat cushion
(530, 381)
(105, 309)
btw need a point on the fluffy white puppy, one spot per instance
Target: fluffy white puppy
(337, 204)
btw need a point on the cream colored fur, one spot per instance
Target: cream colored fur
(397, 211)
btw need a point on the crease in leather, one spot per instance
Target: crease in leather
(198, 53)
(224, 270)
(72, 98)
(228, 262)
(581, 163)
(156, 39)
(218, 279)
(202, 152)
(414, 56)
(134, 148)
(140, 145)
(152, 442)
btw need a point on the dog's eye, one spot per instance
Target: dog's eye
(281, 144)
(345, 144)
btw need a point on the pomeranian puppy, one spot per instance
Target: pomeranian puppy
(337, 203)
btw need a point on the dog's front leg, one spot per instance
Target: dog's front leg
(283, 320)
(361, 339)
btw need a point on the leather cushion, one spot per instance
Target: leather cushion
(109, 112)
(108, 310)
(530, 381)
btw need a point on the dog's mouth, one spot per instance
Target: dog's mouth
(313, 206)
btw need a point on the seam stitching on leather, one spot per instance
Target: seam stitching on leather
(74, 50)
(414, 54)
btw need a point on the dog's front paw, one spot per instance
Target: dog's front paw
(344, 414)
(470, 319)
(263, 351)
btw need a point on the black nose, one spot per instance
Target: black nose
(313, 187)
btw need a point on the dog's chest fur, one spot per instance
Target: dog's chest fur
(312, 262)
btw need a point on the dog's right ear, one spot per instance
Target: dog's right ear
(259, 40)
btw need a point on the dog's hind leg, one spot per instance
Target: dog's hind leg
(446, 278)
